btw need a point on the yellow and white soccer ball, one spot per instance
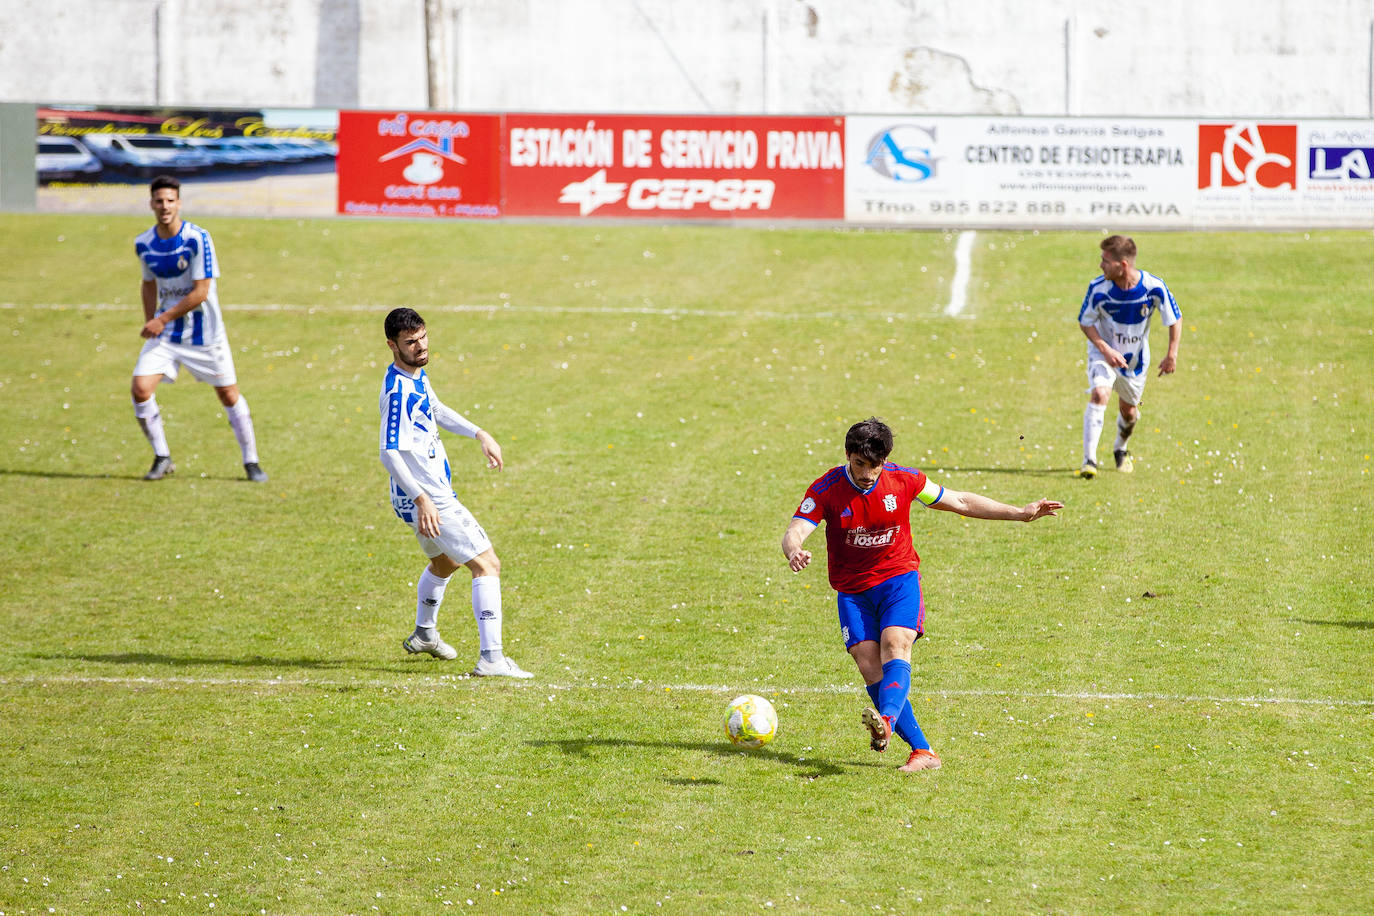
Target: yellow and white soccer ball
(750, 721)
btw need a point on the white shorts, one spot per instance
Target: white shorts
(460, 537)
(1101, 375)
(213, 365)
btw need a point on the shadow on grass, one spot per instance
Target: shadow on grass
(812, 768)
(403, 665)
(71, 475)
(1030, 472)
(1348, 624)
(24, 472)
(193, 661)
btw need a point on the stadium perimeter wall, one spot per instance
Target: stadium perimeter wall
(1219, 59)
(880, 170)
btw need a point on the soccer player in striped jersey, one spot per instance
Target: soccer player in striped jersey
(875, 570)
(1115, 317)
(183, 326)
(422, 496)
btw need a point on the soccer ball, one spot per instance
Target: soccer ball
(750, 721)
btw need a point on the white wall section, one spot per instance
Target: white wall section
(1223, 58)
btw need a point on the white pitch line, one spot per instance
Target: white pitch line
(963, 260)
(462, 680)
(506, 308)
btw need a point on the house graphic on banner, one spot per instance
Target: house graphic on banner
(426, 159)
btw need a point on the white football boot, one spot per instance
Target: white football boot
(415, 644)
(502, 667)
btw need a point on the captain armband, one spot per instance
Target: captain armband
(930, 494)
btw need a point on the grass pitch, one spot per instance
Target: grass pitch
(208, 708)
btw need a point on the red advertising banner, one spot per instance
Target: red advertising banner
(421, 163)
(671, 167)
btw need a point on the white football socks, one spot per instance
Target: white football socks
(242, 422)
(429, 594)
(1092, 429)
(486, 609)
(1123, 432)
(150, 420)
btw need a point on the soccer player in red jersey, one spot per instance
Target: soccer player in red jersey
(875, 570)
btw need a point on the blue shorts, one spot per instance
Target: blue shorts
(895, 602)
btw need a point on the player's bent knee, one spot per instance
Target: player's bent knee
(442, 566)
(866, 658)
(485, 564)
(897, 642)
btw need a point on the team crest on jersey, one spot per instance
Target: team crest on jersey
(890, 503)
(182, 263)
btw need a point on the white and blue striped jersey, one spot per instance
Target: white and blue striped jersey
(1122, 317)
(175, 264)
(410, 427)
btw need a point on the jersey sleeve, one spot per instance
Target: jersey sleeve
(396, 466)
(450, 419)
(1087, 312)
(811, 508)
(148, 274)
(204, 266)
(396, 431)
(1168, 308)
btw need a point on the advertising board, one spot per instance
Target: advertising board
(672, 167)
(990, 171)
(260, 162)
(952, 172)
(1285, 174)
(892, 170)
(419, 164)
(1337, 171)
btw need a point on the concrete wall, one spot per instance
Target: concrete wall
(1215, 58)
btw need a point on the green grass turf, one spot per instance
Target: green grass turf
(206, 701)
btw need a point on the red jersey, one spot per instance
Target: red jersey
(868, 534)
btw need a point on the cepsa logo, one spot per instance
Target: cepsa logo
(669, 193)
(1247, 155)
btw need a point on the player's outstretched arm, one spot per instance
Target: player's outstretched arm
(974, 505)
(454, 422)
(797, 557)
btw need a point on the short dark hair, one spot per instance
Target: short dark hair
(871, 440)
(402, 319)
(164, 181)
(1120, 247)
